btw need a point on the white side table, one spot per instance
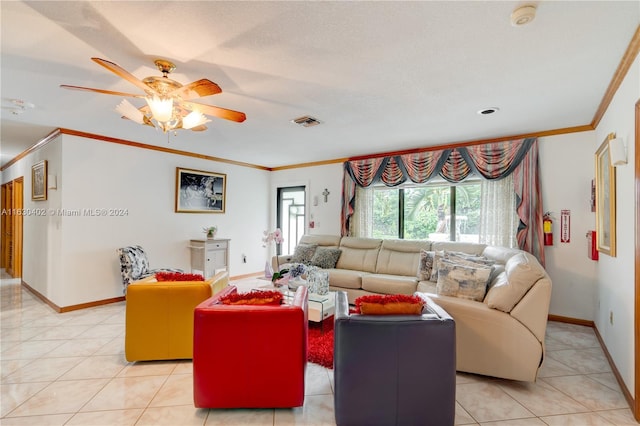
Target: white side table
(209, 256)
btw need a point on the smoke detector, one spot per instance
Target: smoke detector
(523, 15)
(306, 121)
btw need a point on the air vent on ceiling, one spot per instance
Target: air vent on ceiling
(306, 121)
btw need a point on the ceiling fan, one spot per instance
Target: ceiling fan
(169, 104)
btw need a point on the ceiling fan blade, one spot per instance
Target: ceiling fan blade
(121, 72)
(215, 111)
(104, 92)
(200, 88)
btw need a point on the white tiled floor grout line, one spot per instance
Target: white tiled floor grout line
(575, 386)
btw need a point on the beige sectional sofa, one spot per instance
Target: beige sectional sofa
(500, 336)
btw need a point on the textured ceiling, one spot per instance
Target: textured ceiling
(380, 76)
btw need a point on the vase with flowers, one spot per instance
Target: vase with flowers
(210, 232)
(267, 238)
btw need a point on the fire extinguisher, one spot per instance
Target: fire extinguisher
(547, 229)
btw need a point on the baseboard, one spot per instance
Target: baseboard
(72, 307)
(625, 391)
(623, 387)
(252, 275)
(570, 320)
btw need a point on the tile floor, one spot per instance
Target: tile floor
(69, 369)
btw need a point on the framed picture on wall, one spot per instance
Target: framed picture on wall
(605, 200)
(200, 192)
(39, 181)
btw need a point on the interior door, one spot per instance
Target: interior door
(11, 227)
(18, 205)
(7, 227)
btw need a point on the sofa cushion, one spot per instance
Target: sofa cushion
(359, 254)
(326, 258)
(464, 281)
(346, 278)
(332, 241)
(499, 254)
(471, 248)
(303, 253)
(426, 287)
(521, 273)
(399, 257)
(389, 284)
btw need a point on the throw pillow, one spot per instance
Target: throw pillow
(326, 258)
(389, 304)
(510, 286)
(425, 265)
(466, 282)
(303, 253)
(456, 255)
(269, 297)
(437, 255)
(176, 276)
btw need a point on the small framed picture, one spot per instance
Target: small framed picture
(200, 192)
(39, 181)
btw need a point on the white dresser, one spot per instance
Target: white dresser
(209, 256)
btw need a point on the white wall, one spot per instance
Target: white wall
(325, 215)
(615, 275)
(42, 237)
(566, 169)
(72, 259)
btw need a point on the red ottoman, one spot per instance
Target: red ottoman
(250, 356)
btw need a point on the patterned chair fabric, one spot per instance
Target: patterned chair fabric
(134, 265)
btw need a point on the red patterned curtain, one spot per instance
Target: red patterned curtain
(490, 161)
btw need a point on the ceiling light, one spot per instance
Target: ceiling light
(487, 111)
(129, 111)
(161, 108)
(169, 104)
(523, 15)
(20, 106)
(194, 119)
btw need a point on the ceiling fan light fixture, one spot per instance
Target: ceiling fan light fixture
(161, 108)
(194, 119)
(129, 111)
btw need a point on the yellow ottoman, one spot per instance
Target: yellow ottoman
(159, 316)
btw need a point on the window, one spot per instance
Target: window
(438, 212)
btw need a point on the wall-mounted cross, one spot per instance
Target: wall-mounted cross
(326, 194)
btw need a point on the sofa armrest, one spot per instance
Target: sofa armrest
(277, 262)
(492, 342)
(533, 309)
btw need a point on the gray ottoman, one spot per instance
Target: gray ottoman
(392, 369)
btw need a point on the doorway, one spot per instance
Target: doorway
(12, 203)
(291, 216)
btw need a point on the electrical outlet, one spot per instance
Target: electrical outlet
(611, 317)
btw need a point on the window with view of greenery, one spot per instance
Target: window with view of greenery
(424, 212)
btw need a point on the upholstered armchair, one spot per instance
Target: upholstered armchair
(394, 369)
(134, 265)
(250, 356)
(159, 316)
